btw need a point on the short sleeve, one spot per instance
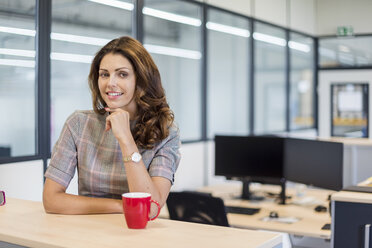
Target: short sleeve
(62, 165)
(167, 158)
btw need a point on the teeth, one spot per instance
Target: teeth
(114, 94)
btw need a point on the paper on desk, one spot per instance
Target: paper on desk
(287, 220)
(306, 201)
(366, 183)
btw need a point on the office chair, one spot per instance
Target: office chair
(197, 207)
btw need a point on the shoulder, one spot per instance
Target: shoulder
(174, 131)
(81, 116)
(173, 138)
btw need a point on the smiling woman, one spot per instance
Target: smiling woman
(128, 143)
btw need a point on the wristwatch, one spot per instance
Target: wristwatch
(135, 157)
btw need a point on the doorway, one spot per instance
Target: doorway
(349, 110)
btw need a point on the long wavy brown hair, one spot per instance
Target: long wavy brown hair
(154, 117)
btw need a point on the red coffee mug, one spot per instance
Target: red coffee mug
(136, 208)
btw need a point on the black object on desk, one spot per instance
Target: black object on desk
(326, 227)
(197, 207)
(320, 208)
(274, 214)
(241, 210)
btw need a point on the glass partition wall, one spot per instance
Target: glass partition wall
(270, 78)
(345, 51)
(302, 84)
(228, 71)
(223, 73)
(172, 34)
(17, 80)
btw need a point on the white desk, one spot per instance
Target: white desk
(25, 223)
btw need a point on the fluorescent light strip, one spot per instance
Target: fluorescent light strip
(269, 39)
(70, 57)
(299, 46)
(171, 17)
(115, 3)
(79, 39)
(20, 31)
(228, 29)
(18, 52)
(170, 51)
(18, 62)
(58, 36)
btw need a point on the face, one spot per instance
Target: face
(117, 82)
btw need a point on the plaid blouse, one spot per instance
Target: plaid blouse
(97, 155)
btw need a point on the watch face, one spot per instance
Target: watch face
(136, 157)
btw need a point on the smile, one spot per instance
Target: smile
(114, 93)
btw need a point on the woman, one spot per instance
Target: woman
(129, 142)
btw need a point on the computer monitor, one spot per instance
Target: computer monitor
(314, 162)
(250, 159)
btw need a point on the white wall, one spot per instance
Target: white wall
(191, 171)
(303, 16)
(22, 180)
(274, 11)
(333, 13)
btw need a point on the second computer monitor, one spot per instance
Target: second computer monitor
(314, 162)
(256, 158)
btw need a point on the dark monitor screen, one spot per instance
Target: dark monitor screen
(314, 162)
(251, 157)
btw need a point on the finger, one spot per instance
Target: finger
(117, 110)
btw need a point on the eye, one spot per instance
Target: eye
(103, 75)
(123, 74)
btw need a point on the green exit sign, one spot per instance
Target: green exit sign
(345, 31)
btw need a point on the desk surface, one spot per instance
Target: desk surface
(348, 196)
(310, 222)
(349, 141)
(25, 223)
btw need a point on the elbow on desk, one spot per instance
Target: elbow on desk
(49, 204)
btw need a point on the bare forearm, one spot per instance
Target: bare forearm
(138, 177)
(140, 181)
(63, 203)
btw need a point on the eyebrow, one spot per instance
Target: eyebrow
(117, 69)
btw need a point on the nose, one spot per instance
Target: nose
(112, 81)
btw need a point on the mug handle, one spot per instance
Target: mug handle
(157, 204)
(3, 201)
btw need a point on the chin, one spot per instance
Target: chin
(115, 106)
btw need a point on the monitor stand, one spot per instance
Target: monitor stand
(247, 195)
